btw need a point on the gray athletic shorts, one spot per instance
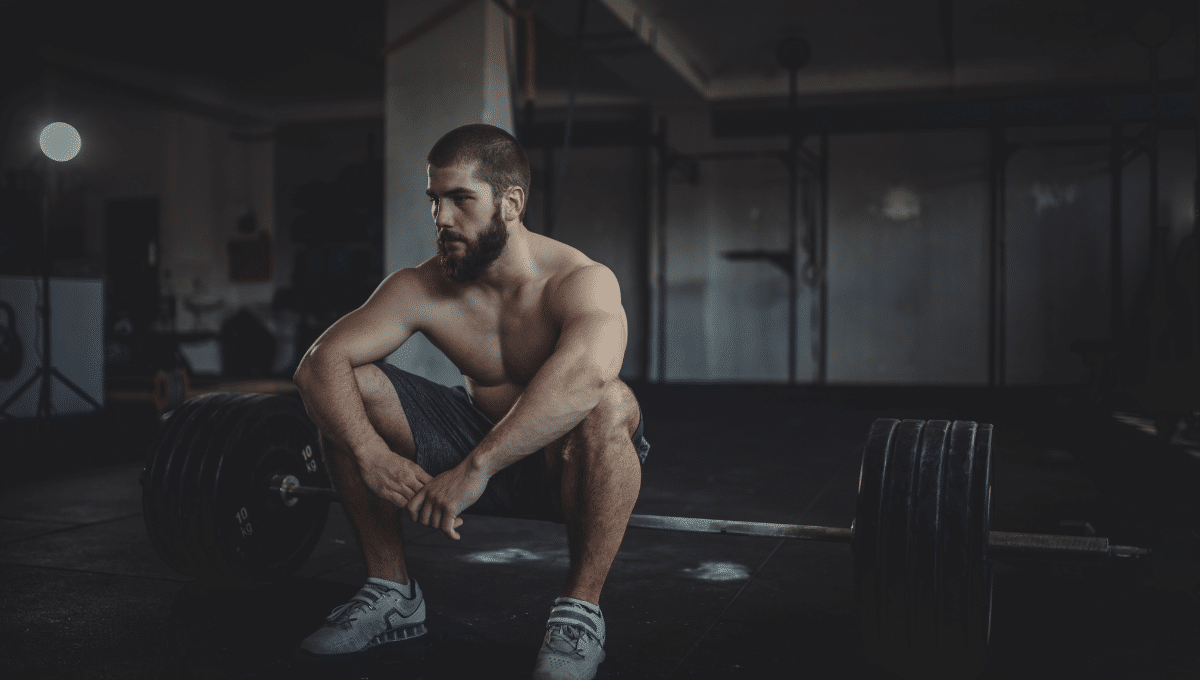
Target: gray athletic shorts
(446, 425)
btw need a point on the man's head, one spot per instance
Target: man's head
(499, 160)
(478, 182)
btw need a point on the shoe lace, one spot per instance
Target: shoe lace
(565, 639)
(344, 613)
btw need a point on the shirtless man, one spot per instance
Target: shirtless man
(543, 429)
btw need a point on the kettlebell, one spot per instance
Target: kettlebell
(11, 352)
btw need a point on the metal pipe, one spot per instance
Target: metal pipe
(793, 168)
(1158, 242)
(1117, 299)
(664, 166)
(44, 404)
(548, 191)
(720, 526)
(998, 541)
(993, 194)
(647, 249)
(822, 247)
(576, 64)
(1001, 259)
(1049, 544)
(315, 491)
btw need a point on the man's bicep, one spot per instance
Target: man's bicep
(593, 319)
(377, 328)
(600, 337)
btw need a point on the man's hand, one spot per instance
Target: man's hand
(392, 477)
(441, 500)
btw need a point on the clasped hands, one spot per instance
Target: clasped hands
(433, 501)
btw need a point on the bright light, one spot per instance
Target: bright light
(59, 141)
(901, 204)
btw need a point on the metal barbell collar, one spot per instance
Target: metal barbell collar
(1002, 542)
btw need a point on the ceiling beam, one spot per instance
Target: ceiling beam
(648, 32)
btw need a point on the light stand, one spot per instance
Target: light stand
(46, 372)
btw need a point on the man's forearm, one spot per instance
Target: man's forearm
(562, 393)
(334, 402)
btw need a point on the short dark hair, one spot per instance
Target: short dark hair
(502, 162)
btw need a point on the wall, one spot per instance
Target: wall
(603, 215)
(120, 155)
(1058, 209)
(314, 152)
(908, 294)
(204, 178)
(907, 297)
(209, 182)
(908, 258)
(726, 319)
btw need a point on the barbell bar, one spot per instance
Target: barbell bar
(999, 542)
(234, 490)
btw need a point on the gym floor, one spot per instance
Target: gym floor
(85, 596)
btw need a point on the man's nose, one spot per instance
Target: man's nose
(441, 214)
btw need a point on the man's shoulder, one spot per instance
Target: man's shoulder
(586, 272)
(409, 284)
(567, 261)
(418, 278)
(584, 283)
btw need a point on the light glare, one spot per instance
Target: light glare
(60, 142)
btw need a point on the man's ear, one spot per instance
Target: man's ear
(514, 203)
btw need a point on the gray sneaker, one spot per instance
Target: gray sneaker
(378, 614)
(574, 644)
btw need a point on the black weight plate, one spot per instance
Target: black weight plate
(157, 461)
(182, 502)
(287, 445)
(896, 532)
(159, 495)
(257, 536)
(924, 557)
(955, 545)
(868, 516)
(208, 448)
(979, 608)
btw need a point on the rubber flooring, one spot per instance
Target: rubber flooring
(85, 596)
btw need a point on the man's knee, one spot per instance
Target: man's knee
(613, 421)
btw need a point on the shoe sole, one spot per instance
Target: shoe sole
(398, 635)
(384, 639)
(595, 670)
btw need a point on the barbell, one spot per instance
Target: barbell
(234, 490)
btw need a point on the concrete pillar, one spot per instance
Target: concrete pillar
(459, 72)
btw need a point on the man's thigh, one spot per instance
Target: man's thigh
(445, 426)
(384, 409)
(442, 424)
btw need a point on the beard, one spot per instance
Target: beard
(479, 255)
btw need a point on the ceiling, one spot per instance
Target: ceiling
(259, 50)
(271, 53)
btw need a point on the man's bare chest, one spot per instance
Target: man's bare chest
(496, 342)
